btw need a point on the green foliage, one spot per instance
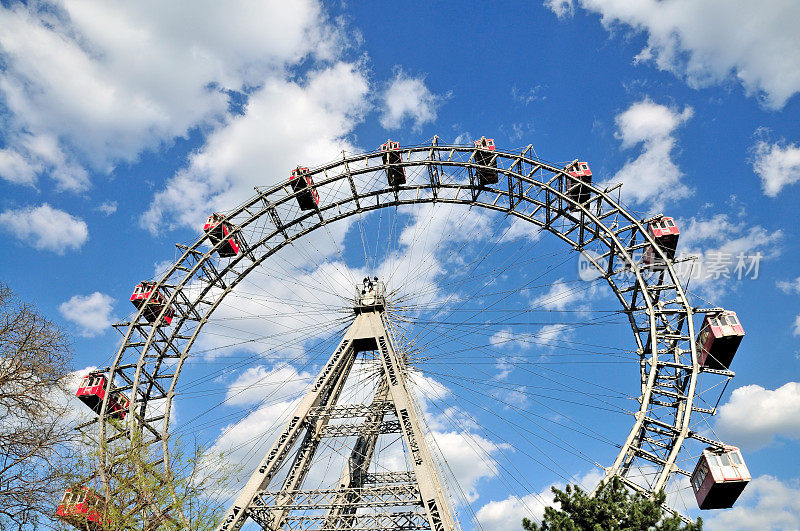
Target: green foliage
(612, 508)
(135, 492)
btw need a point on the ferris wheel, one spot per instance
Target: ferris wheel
(381, 338)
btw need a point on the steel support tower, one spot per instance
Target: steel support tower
(362, 499)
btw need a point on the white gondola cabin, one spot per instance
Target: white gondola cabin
(219, 229)
(92, 391)
(484, 155)
(719, 477)
(390, 154)
(718, 340)
(665, 232)
(79, 507)
(303, 185)
(153, 308)
(579, 176)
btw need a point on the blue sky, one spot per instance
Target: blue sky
(124, 125)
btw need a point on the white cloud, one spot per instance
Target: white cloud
(16, 169)
(563, 295)
(653, 176)
(766, 503)
(285, 123)
(92, 313)
(507, 515)
(551, 334)
(789, 286)
(562, 8)
(777, 165)
(727, 249)
(45, 228)
(89, 83)
(506, 338)
(526, 96)
(796, 330)
(108, 207)
(754, 417)
(453, 433)
(713, 41)
(470, 457)
(74, 411)
(520, 228)
(255, 383)
(408, 98)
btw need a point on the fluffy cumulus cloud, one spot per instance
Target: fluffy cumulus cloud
(713, 41)
(507, 515)
(89, 83)
(754, 416)
(285, 123)
(653, 177)
(778, 165)
(766, 503)
(727, 249)
(91, 313)
(562, 295)
(255, 383)
(45, 228)
(407, 98)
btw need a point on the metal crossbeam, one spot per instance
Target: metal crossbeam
(405, 520)
(353, 430)
(373, 496)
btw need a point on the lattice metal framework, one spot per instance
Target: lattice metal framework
(416, 496)
(149, 360)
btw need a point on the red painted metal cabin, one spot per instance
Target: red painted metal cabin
(719, 339)
(153, 308)
(219, 230)
(719, 477)
(92, 391)
(390, 153)
(79, 507)
(666, 233)
(485, 157)
(303, 185)
(579, 176)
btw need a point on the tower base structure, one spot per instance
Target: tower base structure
(364, 497)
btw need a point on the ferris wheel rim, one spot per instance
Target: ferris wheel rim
(207, 258)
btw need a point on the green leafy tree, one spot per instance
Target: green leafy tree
(612, 508)
(136, 493)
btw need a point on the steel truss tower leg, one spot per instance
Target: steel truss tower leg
(422, 488)
(354, 474)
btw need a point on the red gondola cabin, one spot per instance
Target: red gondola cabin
(485, 157)
(665, 232)
(303, 185)
(579, 176)
(79, 507)
(390, 153)
(219, 230)
(719, 477)
(718, 340)
(92, 391)
(153, 308)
